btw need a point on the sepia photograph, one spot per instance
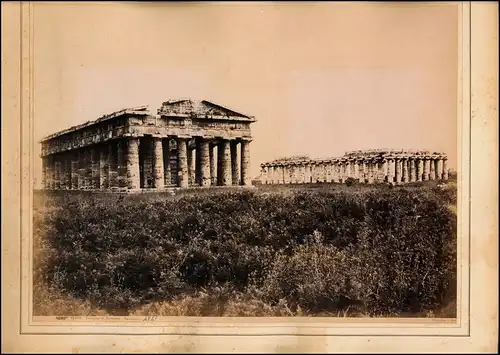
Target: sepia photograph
(215, 165)
(320, 180)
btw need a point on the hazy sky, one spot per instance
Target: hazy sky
(320, 78)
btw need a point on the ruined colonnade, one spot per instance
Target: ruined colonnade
(365, 166)
(149, 162)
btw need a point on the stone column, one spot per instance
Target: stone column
(103, 167)
(81, 168)
(432, 170)
(60, 172)
(406, 174)
(66, 168)
(191, 166)
(445, 169)
(245, 163)
(270, 174)
(291, 169)
(74, 170)
(437, 167)
(384, 170)
(205, 175)
(182, 158)
(413, 170)
(63, 172)
(356, 169)
(301, 173)
(158, 168)
(376, 171)
(47, 172)
(370, 166)
(133, 178)
(426, 176)
(225, 158)
(112, 165)
(82, 171)
(94, 154)
(197, 162)
(50, 172)
(397, 164)
(213, 177)
(328, 171)
(282, 174)
(54, 165)
(345, 171)
(390, 170)
(44, 172)
(57, 173)
(285, 173)
(273, 171)
(307, 173)
(121, 178)
(88, 168)
(420, 168)
(362, 171)
(235, 170)
(167, 170)
(146, 161)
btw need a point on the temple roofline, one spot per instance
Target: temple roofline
(139, 110)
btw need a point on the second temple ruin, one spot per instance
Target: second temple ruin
(187, 143)
(369, 166)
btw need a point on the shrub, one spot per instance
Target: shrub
(377, 251)
(350, 181)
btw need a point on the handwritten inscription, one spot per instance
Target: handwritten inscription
(148, 318)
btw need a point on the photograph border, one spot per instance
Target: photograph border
(250, 326)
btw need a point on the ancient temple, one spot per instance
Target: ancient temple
(187, 143)
(370, 166)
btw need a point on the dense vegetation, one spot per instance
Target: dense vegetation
(366, 251)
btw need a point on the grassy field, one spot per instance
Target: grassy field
(317, 250)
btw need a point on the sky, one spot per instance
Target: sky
(320, 78)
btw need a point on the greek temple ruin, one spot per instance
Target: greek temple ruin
(369, 166)
(187, 143)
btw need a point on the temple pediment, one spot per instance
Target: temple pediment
(197, 108)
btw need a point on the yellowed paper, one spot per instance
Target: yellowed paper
(410, 75)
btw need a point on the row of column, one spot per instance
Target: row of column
(143, 162)
(396, 170)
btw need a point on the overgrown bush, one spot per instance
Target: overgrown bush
(350, 181)
(379, 252)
